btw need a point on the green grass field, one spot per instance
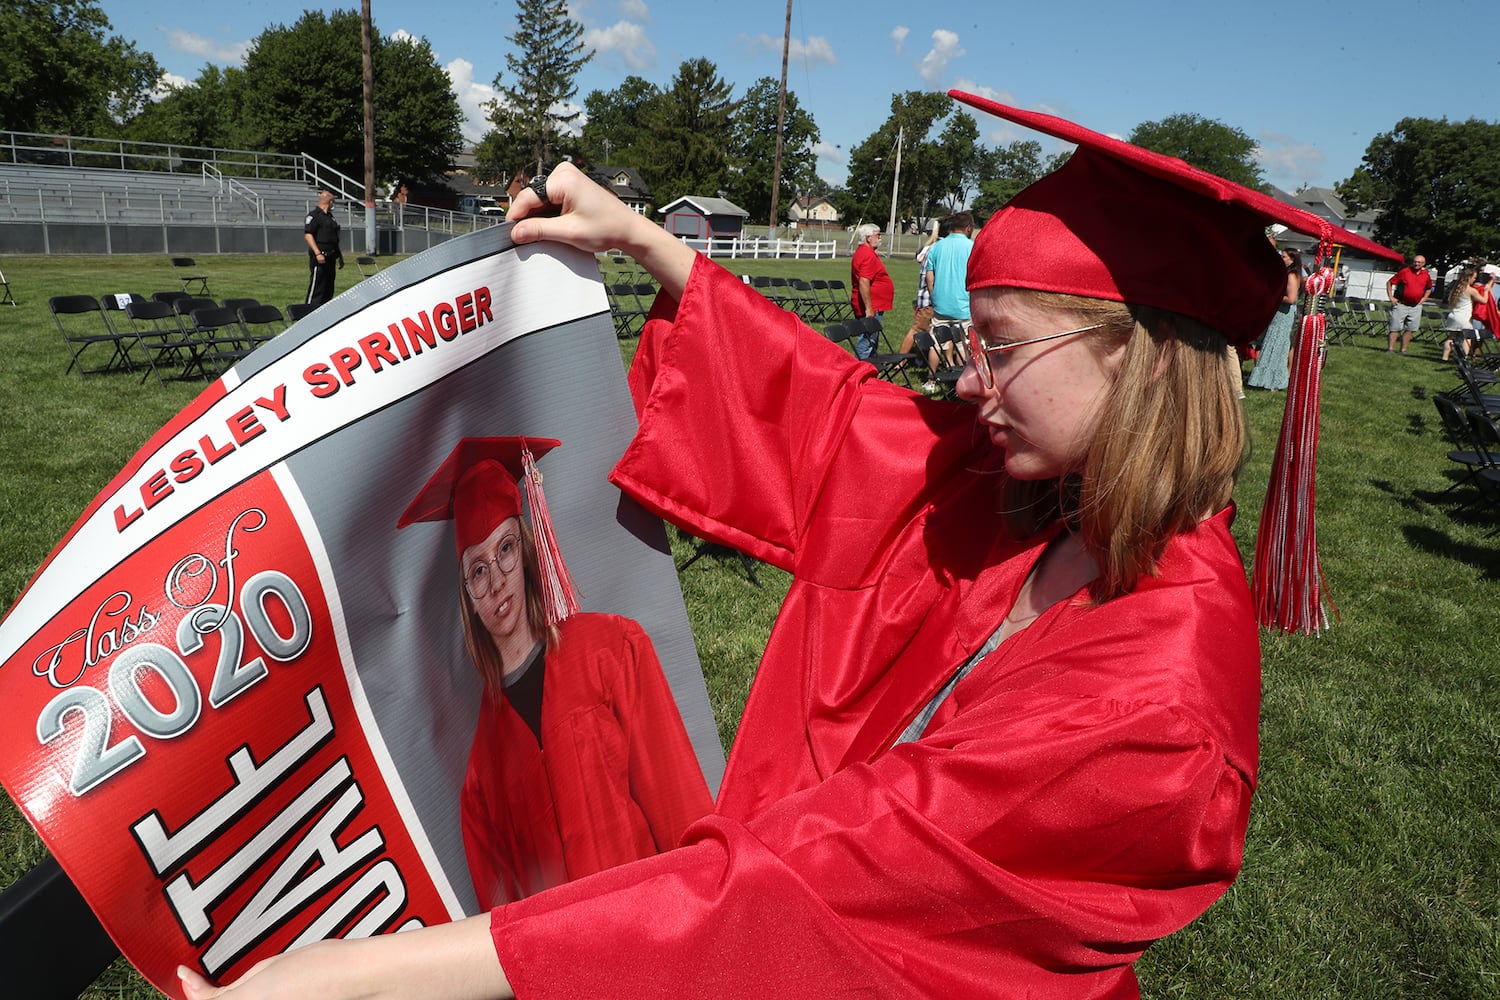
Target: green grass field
(1372, 868)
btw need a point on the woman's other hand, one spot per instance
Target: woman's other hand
(454, 961)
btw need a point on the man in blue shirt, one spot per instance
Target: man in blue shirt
(946, 273)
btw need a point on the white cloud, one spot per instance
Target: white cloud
(980, 90)
(945, 48)
(198, 45)
(635, 10)
(1288, 163)
(166, 83)
(814, 49)
(898, 35)
(625, 39)
(472, 97)
(402, 35)
(828, 151)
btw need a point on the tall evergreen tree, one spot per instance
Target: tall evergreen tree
(548, 52)
(693, 124)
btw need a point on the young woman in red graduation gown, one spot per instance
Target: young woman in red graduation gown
(580, 761)
(1004, 734)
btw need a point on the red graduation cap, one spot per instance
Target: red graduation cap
(1122, 223)
(478, 486)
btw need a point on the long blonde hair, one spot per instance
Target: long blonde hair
(1460, 284)
(1169, 443)
(483, 652)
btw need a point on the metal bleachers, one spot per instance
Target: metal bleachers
(66, 194)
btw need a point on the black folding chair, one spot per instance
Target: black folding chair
(39, 910)
(805, 302)
(1468, 450)
(188, 273)
(224, 341)
(6, 297)
(156, 326)
(169, 297)
(261, 323)
(838, 294)
(1487, 439)
(625, 309)
(81, 321)
(297, 310)
(115, 303)
(367, 266)
(237, 304)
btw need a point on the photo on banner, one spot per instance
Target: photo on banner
(241, 707)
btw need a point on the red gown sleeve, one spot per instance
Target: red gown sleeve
(1074, 832)
(666, 779)
(743, 411)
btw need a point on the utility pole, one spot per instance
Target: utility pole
(369, 88)
(786, 42)
(890, 229)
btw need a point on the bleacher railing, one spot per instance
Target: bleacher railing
(215, 192)
(43, 150)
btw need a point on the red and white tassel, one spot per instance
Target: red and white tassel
(559, 595)
(1288, 582)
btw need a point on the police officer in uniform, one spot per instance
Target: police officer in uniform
(321, 234)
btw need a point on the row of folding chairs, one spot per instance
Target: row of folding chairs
(198, 337)
(890, 364)
(1469, 414)
(629, 302)
(817, 301)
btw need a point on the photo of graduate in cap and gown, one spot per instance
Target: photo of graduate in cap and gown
(580, 761)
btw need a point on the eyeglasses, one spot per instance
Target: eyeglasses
(980, 351)
(483, 576)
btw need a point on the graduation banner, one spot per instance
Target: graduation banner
(239, 701)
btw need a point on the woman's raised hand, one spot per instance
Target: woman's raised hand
(593, 219)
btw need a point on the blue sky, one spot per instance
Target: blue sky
(1312, 83)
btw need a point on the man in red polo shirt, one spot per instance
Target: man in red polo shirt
(1407, 289)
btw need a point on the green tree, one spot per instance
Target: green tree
(63, 72)
(1438, 185)
(1011, 168)
(615, 131)
(418, 123)
(302, 87)
(547, 54)
(925, 168)
(755, 150)
(692, 127)
(209, 111)
(1206, 144)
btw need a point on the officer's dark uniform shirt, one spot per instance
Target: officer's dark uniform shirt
(325, 232)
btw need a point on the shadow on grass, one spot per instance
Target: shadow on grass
(1485, 558)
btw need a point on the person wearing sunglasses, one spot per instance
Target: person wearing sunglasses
(1004, 733)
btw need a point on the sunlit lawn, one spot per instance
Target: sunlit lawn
(1373, 863)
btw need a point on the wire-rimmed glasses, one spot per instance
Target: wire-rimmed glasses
(980, 352)
(482, 576)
